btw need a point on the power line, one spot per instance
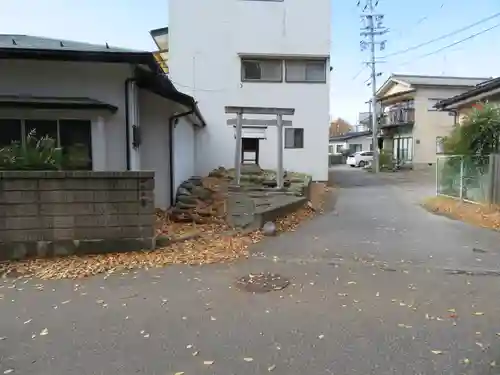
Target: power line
(421, 20)
(450, 45)
(443, 36)
(359, 72)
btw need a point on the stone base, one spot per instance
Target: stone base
(47, 249)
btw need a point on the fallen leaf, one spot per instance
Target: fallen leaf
(65, 302)
(29, 320)
(452, 310)
(248, 359)
(9, 371)
(493, 364)
(321, 337)
(436, 352)
(271, 368)
(195, 353)
(44, 332)
(480, 344)
(466, 361)
(351, 283)
(213, 318)
(179, 373)
(479, 313)
(208, 363)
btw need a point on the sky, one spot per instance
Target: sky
(126, 23)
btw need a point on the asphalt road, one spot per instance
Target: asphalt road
(371, 293)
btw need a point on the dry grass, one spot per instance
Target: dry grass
(479, 215)
(217, 244)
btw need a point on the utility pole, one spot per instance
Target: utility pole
(373, 27)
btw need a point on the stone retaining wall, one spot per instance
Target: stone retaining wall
(57, 213)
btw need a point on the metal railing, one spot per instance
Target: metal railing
(465, 177)
(398, 116)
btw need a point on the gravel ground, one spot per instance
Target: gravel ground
(370, 293)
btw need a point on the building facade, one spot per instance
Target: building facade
(411, 126)
(107, 108)
(259, 53)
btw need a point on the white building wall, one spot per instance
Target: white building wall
(204, 62)
(154, 154)
(184, 151)
(101, 81)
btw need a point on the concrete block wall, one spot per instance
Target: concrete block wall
(54, 213)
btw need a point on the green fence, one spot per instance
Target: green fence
(465, 177)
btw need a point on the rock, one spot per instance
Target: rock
(196, 180)
(187, 185)
(269, 183)
(201, 193)
(187, 199)
(269, 229)
(182, 191)
(185, 206)
(251, 169)
(162, 241)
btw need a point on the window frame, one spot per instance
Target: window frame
(306, 61)
(260, 60)
(24, 134)
(294, 147)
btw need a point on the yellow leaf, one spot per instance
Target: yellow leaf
(208, 363)
(436, 352)
(479, 313)
(179, 373)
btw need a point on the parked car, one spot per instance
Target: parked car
(359, 159)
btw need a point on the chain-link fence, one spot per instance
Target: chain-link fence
(465, 177)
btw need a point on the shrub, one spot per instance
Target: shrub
(36, 154)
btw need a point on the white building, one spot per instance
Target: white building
(110, 103)
(353, 141)
(261, 53)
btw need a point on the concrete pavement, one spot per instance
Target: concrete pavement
(369, 294)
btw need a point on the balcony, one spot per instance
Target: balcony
(398, 117)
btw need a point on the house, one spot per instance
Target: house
(352, 142)
(257, 53)
(460, 105)
(113, 105)
(411, 127)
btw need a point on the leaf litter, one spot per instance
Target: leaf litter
(216, 244)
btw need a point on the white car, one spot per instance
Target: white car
(360, 159)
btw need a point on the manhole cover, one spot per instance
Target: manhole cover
(262, 282)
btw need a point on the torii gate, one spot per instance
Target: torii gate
(239, 122)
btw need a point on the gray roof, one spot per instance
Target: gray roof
(416, 80)
(27, 42)
(347, 136)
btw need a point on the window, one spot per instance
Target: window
(339, 149)
(330, 149)
(74, 136)
(403, 149)
(262, 70)
(305, 71)
(439, 145)
(294, 138)
(355, 147)
(76, 141)
(10, 131)
(367, 153)
(42, 128)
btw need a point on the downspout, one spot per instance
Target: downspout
(171, 122)
(127, 121)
